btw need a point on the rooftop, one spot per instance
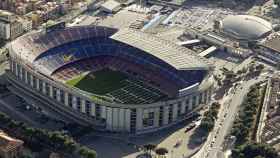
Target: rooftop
(273, 43)
(246, 26)
(31, 46)
(8, 143)
(179, 57)
(111, 4)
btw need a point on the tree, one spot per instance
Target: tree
(208, 120)
(26, 156)
(149, 147)
(254, 150)
(87, 153)
(70, 145)
(207, 125)
(277, 2)
(161, 152)
(216, 105)
(29, 133)
(38, 138)
(259, 67)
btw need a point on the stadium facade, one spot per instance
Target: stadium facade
(164, 82)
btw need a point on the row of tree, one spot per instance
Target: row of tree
(254, 150)
(38, 139)
(208, 121)
(149, 148)
(244, 128)
(245, 122)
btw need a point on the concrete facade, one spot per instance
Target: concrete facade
(117, 117)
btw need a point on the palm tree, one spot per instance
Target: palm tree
(161, 152)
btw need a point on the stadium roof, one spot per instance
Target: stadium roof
(177, 56)
(246, 26)
(30, 46)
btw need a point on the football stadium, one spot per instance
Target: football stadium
(115, 80)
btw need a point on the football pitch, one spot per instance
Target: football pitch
(99, 82)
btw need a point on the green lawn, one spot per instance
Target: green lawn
(99, 82)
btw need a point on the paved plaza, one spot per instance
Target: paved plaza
(121, 148)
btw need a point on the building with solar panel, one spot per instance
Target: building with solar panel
(115, 80)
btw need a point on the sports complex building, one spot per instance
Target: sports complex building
(116, 80)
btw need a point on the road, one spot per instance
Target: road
(32, 100)
(9, 109)
(230, 106)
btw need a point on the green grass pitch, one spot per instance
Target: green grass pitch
(99, 82)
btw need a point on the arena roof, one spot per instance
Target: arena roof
(179, 57)
(246, 26)
(30, 46)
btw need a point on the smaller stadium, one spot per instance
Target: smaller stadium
(246, 27)
(115, 80)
